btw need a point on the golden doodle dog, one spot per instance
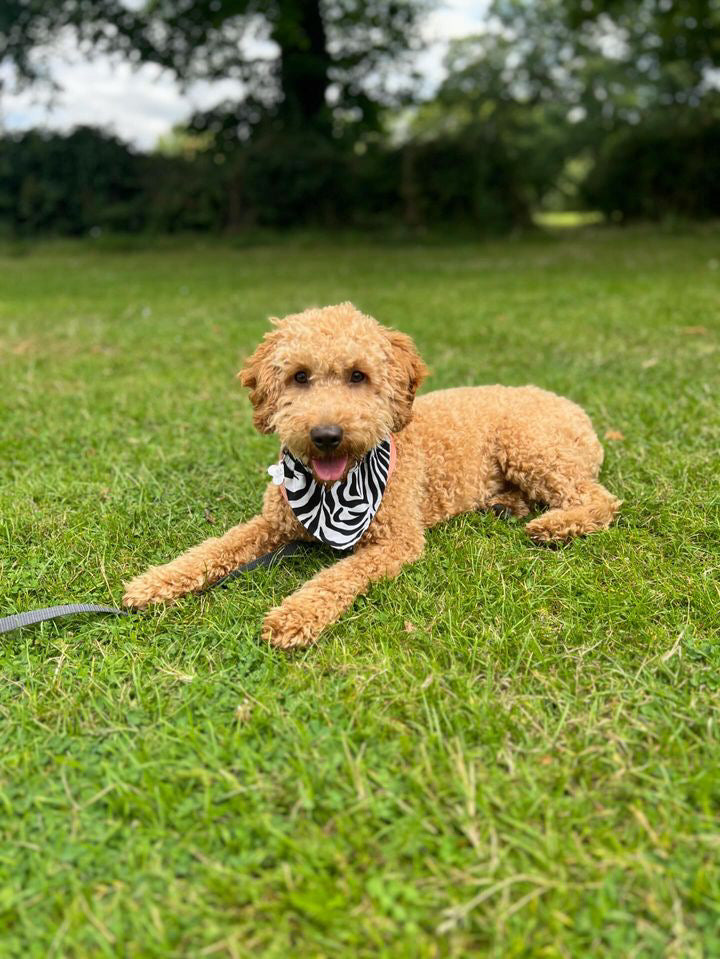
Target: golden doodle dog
(365, 465)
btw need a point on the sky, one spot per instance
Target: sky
(140, 105)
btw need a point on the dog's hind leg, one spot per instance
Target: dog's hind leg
(588, 508)
(554, 471)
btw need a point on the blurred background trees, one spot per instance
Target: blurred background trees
(555, 104)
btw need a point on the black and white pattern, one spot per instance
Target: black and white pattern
(339, 514)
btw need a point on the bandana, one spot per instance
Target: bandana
(337, 515)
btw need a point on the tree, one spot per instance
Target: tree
(27, 26)
(683, 32)
(326, 58)
(585, 108)
(509, 91)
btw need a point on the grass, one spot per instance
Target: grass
(509, 751)
(568, 219)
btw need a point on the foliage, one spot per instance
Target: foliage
(332, 56)
(463, 178)
(655, 172)
(29, 27)
(304, 61)
(683, 33)
(573, 107)
(508, 751)
(69, 184)
(88, 181)
(499, 104)
(556, 104)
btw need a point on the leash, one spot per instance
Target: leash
(17, 620)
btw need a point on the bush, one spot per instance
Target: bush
(69, 183)
(74, 183)
(653, 173)
(462, 179)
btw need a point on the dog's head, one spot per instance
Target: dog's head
(332, 383)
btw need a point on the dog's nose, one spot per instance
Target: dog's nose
(326, 437)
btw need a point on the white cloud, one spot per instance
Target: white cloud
(456, 18)
(141, 104)
(452, 20)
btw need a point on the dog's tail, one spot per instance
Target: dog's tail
(595, 511)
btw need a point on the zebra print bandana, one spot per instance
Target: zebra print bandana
(337, 515)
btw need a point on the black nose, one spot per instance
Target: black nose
(326, 437)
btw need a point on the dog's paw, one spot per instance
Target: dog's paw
(142, 591)
(550, 530)
(158, 585)
(288, 628)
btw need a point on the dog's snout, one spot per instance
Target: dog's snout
(326, 437)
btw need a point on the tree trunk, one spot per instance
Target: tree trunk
(304, 60)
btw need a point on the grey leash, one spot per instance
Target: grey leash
(9, 623)
(17, 620)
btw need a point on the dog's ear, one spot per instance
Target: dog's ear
(260, 377)
(407, 371)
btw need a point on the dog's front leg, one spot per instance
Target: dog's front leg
(305, 614)
(208, 562)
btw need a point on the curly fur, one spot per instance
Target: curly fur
(473, 448)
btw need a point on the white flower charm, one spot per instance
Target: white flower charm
(277, 473)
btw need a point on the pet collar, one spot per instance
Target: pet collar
(337, 515)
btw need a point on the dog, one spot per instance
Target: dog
(372, 465)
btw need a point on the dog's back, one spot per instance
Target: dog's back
(470, 436)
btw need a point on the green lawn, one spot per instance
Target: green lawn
(509, 751)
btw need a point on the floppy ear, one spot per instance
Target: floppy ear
(259, 376)
(407, 371)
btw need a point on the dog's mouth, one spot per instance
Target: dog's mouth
(329, 469)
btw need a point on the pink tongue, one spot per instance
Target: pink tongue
(330, 470)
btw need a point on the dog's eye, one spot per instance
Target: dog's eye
(357, 376)
(301, 377)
